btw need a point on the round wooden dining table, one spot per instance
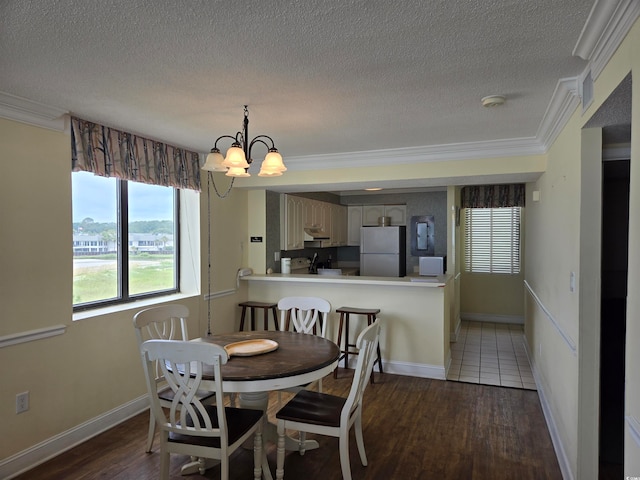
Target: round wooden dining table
(298, 359)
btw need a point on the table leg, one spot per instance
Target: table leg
(198, 465)
(260, 401)
(256, 401)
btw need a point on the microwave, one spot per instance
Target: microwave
(432, 266)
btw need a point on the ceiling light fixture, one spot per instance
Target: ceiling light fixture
(493, 100)
(238, 159)
(373, 189)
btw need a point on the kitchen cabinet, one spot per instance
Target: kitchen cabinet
(397, 213)
(324, 215)
(314, 213)
(298, 213)
(338, 233)
(354, 222)
(309, 213)
(292, 222)
(371, 213)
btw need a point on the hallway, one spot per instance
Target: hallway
(491, 353)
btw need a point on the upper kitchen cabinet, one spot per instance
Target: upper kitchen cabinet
(354, 222)
(338, 233)
(298, 213)
(371, 214)
(292, 222)
(397, 214)
(314, 214)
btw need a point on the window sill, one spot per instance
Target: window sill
(133, 306)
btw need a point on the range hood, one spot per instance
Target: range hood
(315, 233)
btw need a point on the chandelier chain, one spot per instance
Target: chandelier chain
(211, 179)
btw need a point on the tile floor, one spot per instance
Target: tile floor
(491, 354)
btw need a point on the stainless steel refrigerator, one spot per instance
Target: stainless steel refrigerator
(383, 251)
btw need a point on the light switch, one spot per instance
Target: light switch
(572, 282)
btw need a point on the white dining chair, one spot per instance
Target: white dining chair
(306, 315)
(188, 426)
(164, 322)
(325, 414)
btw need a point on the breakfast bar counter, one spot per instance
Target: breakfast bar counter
(415, 313)
(410, 280)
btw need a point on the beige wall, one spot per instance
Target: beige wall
(562, 327)
(454, 252)
(415, 319)
(93, 368)
(485, 296)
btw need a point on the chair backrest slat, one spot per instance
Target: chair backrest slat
(163, 322)
(183, 364)
(305, 313)
(367, 344)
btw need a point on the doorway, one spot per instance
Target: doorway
(613, 313)
(614, 119)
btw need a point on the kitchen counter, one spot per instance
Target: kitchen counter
(409, 281)
(414, 311)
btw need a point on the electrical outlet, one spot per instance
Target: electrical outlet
(22, 402)
(276, 256)
(572, 281)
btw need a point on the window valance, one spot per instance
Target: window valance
(109, 152)
(493, 196)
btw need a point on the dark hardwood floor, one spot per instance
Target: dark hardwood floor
(414, 428)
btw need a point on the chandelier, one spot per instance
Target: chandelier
(238, 158)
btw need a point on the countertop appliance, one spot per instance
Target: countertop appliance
(383, 251)
(432, 266)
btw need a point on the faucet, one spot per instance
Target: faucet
(312, 265)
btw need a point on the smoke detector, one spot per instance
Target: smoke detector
(493, 100)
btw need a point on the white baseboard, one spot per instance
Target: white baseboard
(415, 370)
(487, 317)
(27, 459)
(456, 331)
(405, 368)
(634, 428)
(561, 454)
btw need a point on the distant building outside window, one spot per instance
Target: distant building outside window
(492, 240)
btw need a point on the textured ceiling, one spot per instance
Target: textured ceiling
(319, 77)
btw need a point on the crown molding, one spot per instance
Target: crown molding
(410, 155)
(563, 103)
(30, 112)
(607, 25)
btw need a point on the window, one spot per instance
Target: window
(492, 240)
(107, 210)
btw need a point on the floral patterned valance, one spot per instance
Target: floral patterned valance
(109, 152)
(493, 196)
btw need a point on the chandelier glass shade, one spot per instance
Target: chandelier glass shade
(238, 158)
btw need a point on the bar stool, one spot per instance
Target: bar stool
(344, 319)
(265, 306)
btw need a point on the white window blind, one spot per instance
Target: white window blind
(492, 240)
